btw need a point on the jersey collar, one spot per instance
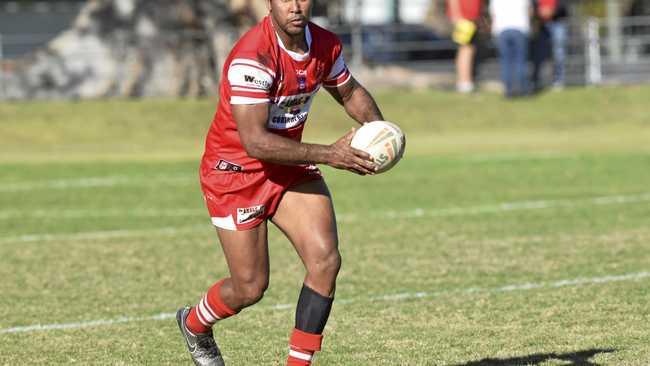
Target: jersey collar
(295, 55)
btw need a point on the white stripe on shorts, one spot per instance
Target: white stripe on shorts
(227, 223)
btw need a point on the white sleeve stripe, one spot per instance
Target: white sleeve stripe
(346, 80)
(233, 65)
(250, 90)
(247, 100)
(341, 83)
(253, 63)
(337, 75)
(337, 67)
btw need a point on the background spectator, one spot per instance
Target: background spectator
(464, 14)
(511, 27)
(551, 40)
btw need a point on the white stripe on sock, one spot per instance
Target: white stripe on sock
(205, 314)
(206, 306)
(300, 355)
(200, 317)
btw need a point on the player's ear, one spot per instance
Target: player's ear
(268, 5)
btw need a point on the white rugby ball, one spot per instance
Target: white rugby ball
(384, 141)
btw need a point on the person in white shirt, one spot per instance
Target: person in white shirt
(511, 28)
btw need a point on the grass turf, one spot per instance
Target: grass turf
(101, 217)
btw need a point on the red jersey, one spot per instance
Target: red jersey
(469, 9)
(260, 69)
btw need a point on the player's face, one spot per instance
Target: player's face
(291, 15)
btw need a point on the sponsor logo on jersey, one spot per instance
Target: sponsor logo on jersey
(290, 111)
(248, 214)
(290, 121)
(252, 80)
(295, 105)
(302, 79)
(227, 166)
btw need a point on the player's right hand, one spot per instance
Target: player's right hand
(343, 156)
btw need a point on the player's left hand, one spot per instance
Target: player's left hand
(344, 156)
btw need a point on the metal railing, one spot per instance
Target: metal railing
(593, 50)
(626, 59)
(591, 58)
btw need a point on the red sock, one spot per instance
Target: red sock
(302, 346)
(208, 311)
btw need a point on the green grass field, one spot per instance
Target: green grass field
(512, 233)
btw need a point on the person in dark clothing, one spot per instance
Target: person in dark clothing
(550, 41)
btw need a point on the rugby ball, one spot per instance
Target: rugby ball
(384, 141)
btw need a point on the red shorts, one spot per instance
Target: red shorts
(243, 200)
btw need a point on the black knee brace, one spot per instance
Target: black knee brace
(312, 311)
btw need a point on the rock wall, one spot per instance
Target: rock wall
(132, 48)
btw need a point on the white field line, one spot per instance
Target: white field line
(576, 282)
(514, 156)
(97, 182)
(111, 181)
(100, 235)
(407, 214)
(516, 206)
(99, 213)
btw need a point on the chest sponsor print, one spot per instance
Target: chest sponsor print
(290, 111)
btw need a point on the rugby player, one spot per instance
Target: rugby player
(256, 169)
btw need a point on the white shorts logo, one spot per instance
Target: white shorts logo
(248, 214)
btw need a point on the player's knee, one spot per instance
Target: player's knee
(333, 263)
(250, 292)
(327, 264)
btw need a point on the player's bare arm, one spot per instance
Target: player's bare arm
(264, 145)
(356, 100)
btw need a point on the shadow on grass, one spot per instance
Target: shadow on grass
(580, 358)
